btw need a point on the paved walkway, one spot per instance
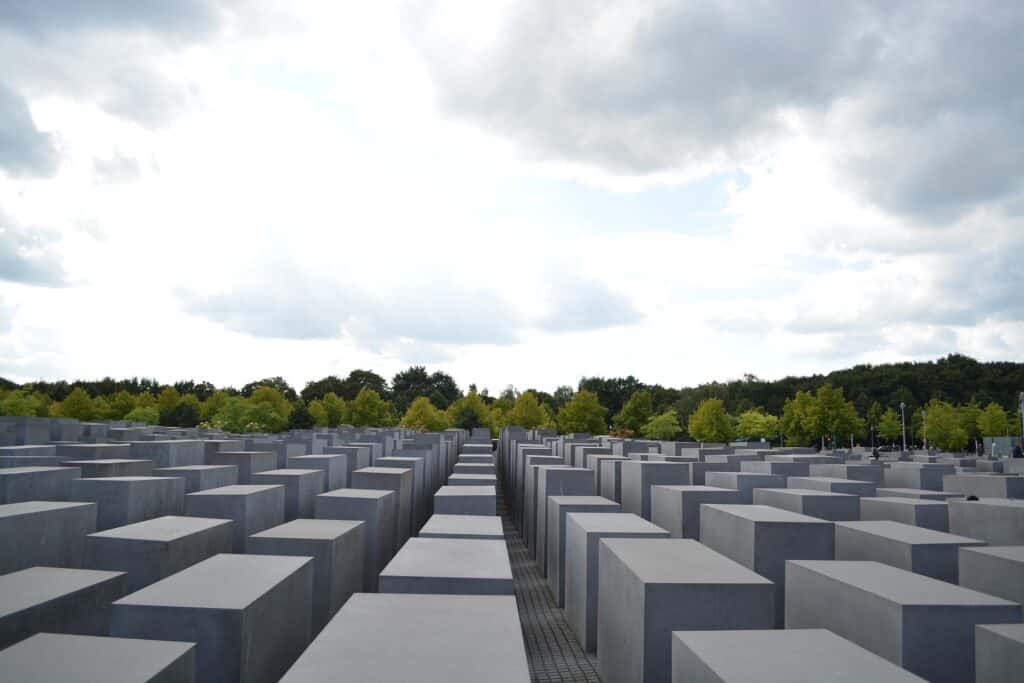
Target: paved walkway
(551, 648)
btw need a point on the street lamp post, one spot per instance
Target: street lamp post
(903, 423)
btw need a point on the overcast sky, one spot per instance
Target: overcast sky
(521, 192)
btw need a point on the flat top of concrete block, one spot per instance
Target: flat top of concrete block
(27, 447)
(1014, 553)
(357, 493)
(22, 589)
(766, 513)
(467, 558)
(317, 529)
(195, 468)
(789, 656)
(390, 471)
(897, 585)
(102, 461)
(907, 533)
(242, 454)
(168, 528)
(612, 522)
(989, 502)
(290, 472)
(313, 458)
(221, 582)
(890, 490)
(32, 506)
(809, 493)
(672, 560)
(466, 491)
(653, 463)
(62, 657)
(408, 637)
(489, 525)
(236, 490)
(12, 471)
(895, 500)
(105, 481)
(1013, 632)
(694, 488)
(831, 480)
(746, 475)
(583, 500)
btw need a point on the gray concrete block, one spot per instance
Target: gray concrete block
(922, 624)
(996, 570)
(377, 510)
(61, 657)
(459, 479)
(558, 508)
(593, 462)
(471, 468)
(211, 446)
(154, 549)
(463, 526)
(745, 482)
(111, 468)
(916, 475)
(201, 477)
(920, 494)
(247, 462)
(804, 458)
(922, 551)
(419, 507)
(94, 451)
(449, 565)
(999, 653)
(677, 508)
(610, 470)
(834, 485)
(301, 487)
(22, 484)
(394, 479)
(126, 500)
(583, 531)
(476, 459)
(651, 587)
(249, 615)
(252, 508)
(338, 551)
(869, 472)
(465, 500)
(382, 638)
(638, 478)
(834, 507)
(763, 538)
(44, 533)
(927, 514)
(555, 481)
(529, 513)
(333, 465)
(802, 655)
(786, 469)
(997, 521)
(985, 485)
(173, 453)
(58, 600)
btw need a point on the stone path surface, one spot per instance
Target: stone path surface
(551, 648)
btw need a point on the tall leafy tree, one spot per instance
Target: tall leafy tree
(889, 426)
(423, 416)
(834, 415)
(527, 412)
(322, 387)
(635, 413)
(798, 419)
(368, 409)
(755, 424)
(274, 398)
(992, 421)
(336, 408)
(583, 414)
(470, 412)
(710, 422)
(278, 383)
(166, 402)
(358, 380)
(663, 427)
(300, 417)
(944, 428)
(78, 405)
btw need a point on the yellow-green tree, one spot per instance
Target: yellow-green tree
(423, 416)
(527, 412)
(78, 405)
(756, 424)
(583, 414)
(943, 427)
(21, 403)
(336, 409)
(798, 419)
(889, 426)
(992, 421)
(636, 412)
(664, 427)
(710, 422)
(470, 412)
(368, 409)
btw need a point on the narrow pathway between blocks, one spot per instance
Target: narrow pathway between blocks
(551, 648)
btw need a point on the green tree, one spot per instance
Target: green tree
(834, 415)
(755, 424)
(336, 409)
(992, 421)
(263, 416)
(121, 404)
(968, 415)
(636, 413)
(145, 400)
(710, 422)
(213, 405)
(358, 380)
(874, 415)
(889, 426)
(166, 402)
(186, 413)
(944, 428)
(470, 412)
(584, 414)
(798, 419)
(423, 416)
(273, 397)
(663, 427)
(368, 409)
(78, 405)
(21, 403)
(150, 415)
(319, 412)
(300, 418)
(527, 412)
(277, 383)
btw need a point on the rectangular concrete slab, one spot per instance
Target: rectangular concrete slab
(126, 500)
(922, 551)
(996, 570)
(174, 453)
(638, 478)
(251, 507)
(201, 477)
(984, 485)
(999, 653)
(334, 466)
(247, 462)
(22, 484)
(922, 624)
(916, 475)
(463, 526)
(927, 514)
(58, 600)
(558, 508)
(745, 482)
(377, 509)
(651, 587)
(337, 548)
(583, 531)
(249, 615)
(111, 468)
(997, 521)
(154, 549)
(44, 533)
(449, 565)
(300, 489)
(922, 494)
(52, 657)
(556, 481)
(399, 480)
(677, 508)
(465, 500)
(790, 656)
(834, 485)
(396, 638)
(834, 507)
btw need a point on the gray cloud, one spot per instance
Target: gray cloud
(580, 305)
(26, 255)
(119, 168)
(24, 149)
(183, 18)
(922, 99)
